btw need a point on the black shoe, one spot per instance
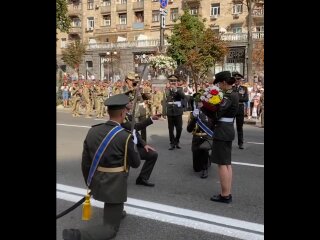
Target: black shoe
(219, 198)
(141, 181)
(71, 234)
(177, 146)
(204, 173)
(241, 146)
(124, 214)
(171, 147)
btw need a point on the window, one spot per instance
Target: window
(63, 42)
(155, 0)
(215, 9)
(259, 28)
(123, 19)
(173, 14)
(215, 29)
(139, 17)
(155, 16)
(121, 1)
(106, 20)
(76, 22)
(107, 39)
(237, 8)
(106, 3)
(90, 4)
(237, 29)
(89, 64)
(194, 11)
(90, 22)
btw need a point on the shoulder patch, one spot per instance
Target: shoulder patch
(97, 124)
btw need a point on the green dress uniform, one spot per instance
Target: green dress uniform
(109, 182)
(243, 98)
(200, 156)
(174, 111)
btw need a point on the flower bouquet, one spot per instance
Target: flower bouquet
(161, 62)
(211, 98)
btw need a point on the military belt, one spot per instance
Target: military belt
(111, 170)
(176, 102)
(200, 134)
(224, 119)
(241, 103)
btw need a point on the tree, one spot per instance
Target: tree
(62, 19)
(258, 55)
(250, 4)
(73, 55)
(195, 47)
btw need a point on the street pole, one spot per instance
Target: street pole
(163, 14)
(250, 42)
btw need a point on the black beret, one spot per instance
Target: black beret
(117, 102)
(222, 76)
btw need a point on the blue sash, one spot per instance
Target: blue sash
(204, 127)
(104, 144)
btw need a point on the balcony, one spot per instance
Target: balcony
(75, 30)
(258, 13)
(121, 27)
(121, 7)
(74, 10)
(133, 44)
(138, 5)
(105, 9)
(103, 30)
(138, 25)
(241, 37)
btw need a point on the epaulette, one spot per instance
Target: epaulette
(97, 124)
(230, 91)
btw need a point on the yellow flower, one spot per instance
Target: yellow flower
(215, 99)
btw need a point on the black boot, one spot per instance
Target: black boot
(71, 234)
(204, 173)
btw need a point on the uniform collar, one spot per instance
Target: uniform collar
(112, 123)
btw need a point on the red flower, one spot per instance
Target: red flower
(214, 92)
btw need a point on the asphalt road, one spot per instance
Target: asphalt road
(178, 207)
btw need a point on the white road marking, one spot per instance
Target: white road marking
(248, 164)
(184, 217)
(256, 143)
(70, 125)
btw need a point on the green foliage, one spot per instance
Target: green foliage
(194, 46)
(62, 19)
(73, 54)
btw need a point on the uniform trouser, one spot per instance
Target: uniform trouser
(75, 105)
(200, 159)
(150, 160)
(112, 214)
(100, 108)
(143, 132)
(174, 121)
(239, 123)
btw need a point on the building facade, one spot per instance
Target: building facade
(122, 34)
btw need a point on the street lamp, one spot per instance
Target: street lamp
(111, 54)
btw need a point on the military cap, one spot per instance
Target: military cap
(117, 102)
(222, 76)
(130, 95)
(130, 76)
(237, 75)
(173, 78)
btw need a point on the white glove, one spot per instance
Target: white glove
(195, 112)
(135, 139)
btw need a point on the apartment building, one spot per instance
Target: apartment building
(122, 34)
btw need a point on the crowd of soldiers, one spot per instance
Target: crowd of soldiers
(87, 96)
